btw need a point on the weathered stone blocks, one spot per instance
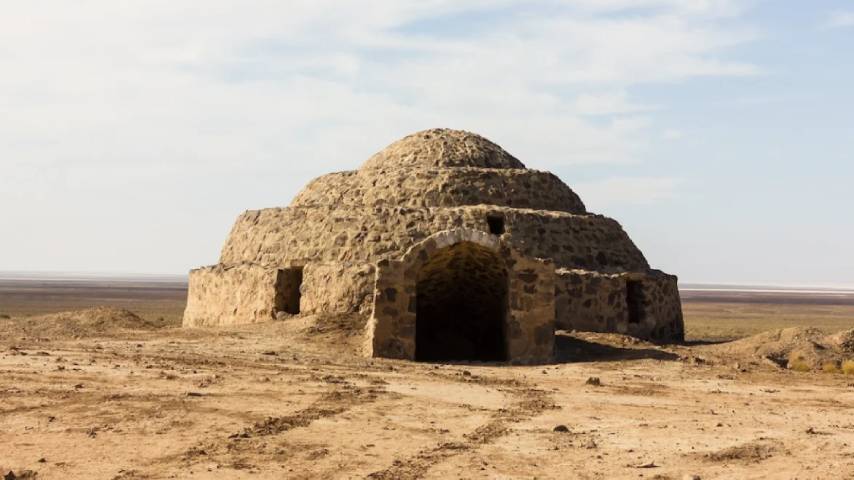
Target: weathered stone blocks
(230, 295)
(338, 288)
(599, 302)
(529, 318)
(440, 209)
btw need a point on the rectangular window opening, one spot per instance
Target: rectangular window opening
(496, 224)
(288, 290)
(635, 300)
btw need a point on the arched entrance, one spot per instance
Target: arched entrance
(461, 305)
(463, 294)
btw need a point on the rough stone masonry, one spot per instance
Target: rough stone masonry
(451, 247)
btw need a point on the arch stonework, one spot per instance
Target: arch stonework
(530, 313)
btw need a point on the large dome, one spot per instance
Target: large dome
(442, 148)
(441, 168)
(427, 182)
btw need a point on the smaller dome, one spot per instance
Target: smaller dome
(442, 148)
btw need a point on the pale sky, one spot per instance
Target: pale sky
(719, 133)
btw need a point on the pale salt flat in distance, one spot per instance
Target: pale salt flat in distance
(91, 276)
(840, 290)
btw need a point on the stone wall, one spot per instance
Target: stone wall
(230, 295)
(423, 188)
(531, 322)
(590, 301)
(338, 288)
(662, 308)
(277, 236)
(530, 310)
(596, 302)
(390, 332)
(441, 147)
(249, 293)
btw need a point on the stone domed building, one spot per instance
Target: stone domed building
(451, 247)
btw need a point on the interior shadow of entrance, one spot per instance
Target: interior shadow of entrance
(461, 306)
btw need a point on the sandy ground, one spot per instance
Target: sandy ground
(117, 396)
(292, 400)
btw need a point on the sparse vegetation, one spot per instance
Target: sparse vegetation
(830, 367)
(848, 367)
(799, 365)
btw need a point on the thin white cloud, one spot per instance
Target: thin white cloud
(705, 8)
(600, 195)
(672, 134)
(840, 19)
(608, 103)
(255, 97)
(200, 86)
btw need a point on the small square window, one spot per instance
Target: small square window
(496, 224)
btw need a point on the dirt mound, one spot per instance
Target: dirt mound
(843, 341)
(750, 452)
(78, 323)
(799, 348)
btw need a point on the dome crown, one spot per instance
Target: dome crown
(442, 148)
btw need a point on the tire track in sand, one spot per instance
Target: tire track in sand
(532, 403)
(242, 449)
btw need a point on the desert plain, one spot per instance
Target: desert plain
(98, 380)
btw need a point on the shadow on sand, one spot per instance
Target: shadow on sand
(700, 343)
(570, 349)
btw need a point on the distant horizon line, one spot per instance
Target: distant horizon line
(130, 276)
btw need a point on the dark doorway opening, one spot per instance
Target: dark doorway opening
(635, 300)
(461, 306)
(496, 224)
(288, 294)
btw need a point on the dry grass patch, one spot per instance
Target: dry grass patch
(799, 365)
(830, 367)
(848, 367)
